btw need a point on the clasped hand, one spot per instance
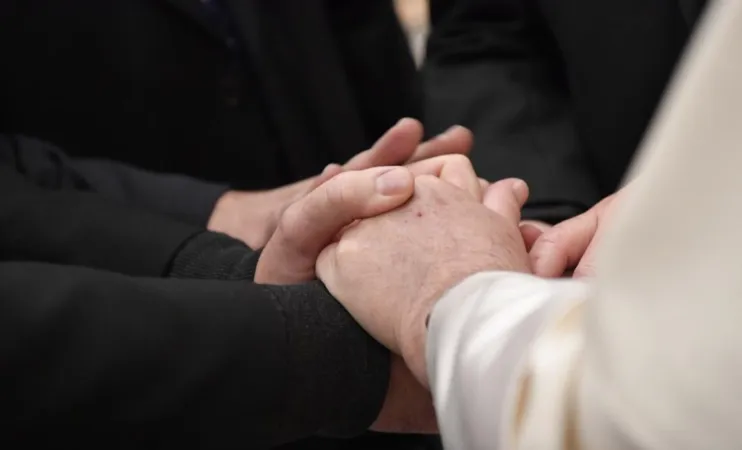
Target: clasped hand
(389, 241)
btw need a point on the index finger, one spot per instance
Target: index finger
(454, 169)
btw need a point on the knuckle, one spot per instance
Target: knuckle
(458, 160)
(425, 184)
(552, 238)
(345, 249)
(291, 225)
(339, 190)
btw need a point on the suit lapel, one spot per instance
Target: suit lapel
(307, 94)
(193, 10)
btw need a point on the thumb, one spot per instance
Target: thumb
(393, 148)
(454, 169)
(506, 197)
(311, 223)
(330, 171)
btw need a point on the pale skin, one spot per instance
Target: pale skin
(570, 244)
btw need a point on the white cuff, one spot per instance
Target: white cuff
(479, 336)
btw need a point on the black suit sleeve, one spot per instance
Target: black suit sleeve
(93, 356)
(490, 67)
(156, 359)
(439, 9)
(181, 197)
(84, 229)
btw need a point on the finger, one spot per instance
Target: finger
(454, 169)
(308, 225)
(455, 140)
(562, 247)
(326, 266)
(330, 171)
(506, 197)
(531, 230)
(298, 190)
(483, 185)
(393, 148)
(586, 266)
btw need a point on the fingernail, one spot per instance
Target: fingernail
(393, 182)
(520, 189)
(404, 119)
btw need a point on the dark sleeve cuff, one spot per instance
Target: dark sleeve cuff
(342, 373)
(338, 373)
(214, 256)
(181, 197)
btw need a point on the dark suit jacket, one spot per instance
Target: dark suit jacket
(153, 83)
(558, 92)
(102, 342)
(183, 198)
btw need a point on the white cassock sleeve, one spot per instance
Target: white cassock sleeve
(648, 355)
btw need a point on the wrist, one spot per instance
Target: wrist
(412, 338)
(240, 215)
(341, 373)
(224, 214)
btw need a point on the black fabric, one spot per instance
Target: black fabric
(155, 363)
(83, 229)
(155, 83)
(214, 256)
(103, 344)
(439, 9)
(558, 92)
(181, 197)
(217, 256)
(321, 335)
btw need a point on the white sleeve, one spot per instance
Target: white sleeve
(649, 357)
(479, 338)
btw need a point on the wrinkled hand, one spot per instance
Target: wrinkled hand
(253, 216)
(389, 270)
(571, 244)
(311, 223)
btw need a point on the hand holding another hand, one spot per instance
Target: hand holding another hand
(308, 226)
(389, 270)
(314, 221)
